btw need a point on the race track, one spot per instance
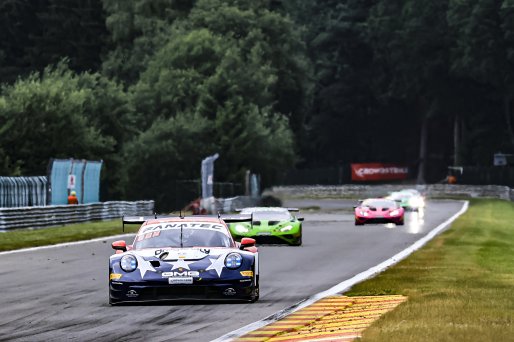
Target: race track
(60, 294)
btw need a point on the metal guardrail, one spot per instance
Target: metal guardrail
(23, 191)
(365, 191)
(44, 216)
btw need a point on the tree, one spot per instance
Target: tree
(138, 28)
(169, 150)
(35, 34)
(108, 109)
(343, 100)
(45, 116)
(485, 35)
(225, 72)
(255, 28)
(413, 61)
(18, 23)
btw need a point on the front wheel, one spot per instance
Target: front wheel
(298, 241)
(255, 296)
(357, 223)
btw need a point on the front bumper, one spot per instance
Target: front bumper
(273, 238)
(241, 289)
(375, 220)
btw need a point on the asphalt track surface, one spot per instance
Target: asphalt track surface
(61, 294)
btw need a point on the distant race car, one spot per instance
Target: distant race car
(409, 199)
(269, 225)
(379, 210)
(184, 258)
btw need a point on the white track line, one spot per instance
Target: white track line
(345, 285)
(32, 249)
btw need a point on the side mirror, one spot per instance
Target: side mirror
(247, 242)
(119, 245)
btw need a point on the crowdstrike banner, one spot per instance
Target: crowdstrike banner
(378, 172)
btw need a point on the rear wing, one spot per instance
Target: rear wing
(235, 218)
(142, 219)
(238, 210)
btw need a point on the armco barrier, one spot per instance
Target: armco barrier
(23, 191)
(366, 191)
(44, 216)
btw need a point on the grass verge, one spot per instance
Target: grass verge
(24, 238)
(459, 285)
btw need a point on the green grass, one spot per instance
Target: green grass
(460, 285)
(74, 232)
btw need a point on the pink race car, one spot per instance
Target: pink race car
(379, 210)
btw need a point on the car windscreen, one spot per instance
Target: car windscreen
(181, 237)
(400, 195)
(410, 193)
(271, 215)
(379, 203)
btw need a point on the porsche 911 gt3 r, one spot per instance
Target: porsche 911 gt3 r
(269, 225)
(379, 210)
(183, 258)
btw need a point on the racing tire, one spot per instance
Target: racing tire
(255, 296)
(357, 223)
(298, 241)
(400, 223)
(113, 302)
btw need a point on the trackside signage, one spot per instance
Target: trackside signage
(378, 172)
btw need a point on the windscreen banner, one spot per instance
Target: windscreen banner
(365, 172)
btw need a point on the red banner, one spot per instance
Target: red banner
(378, 172)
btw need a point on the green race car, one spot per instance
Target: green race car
(409, 199)
(269, 225)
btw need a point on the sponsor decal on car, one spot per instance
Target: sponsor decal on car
(247, 273)
(180, 280)
(229, 292)
(132, 294)
(115, 276)
(181, 225)
(181, 274)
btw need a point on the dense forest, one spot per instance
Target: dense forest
(152, 87)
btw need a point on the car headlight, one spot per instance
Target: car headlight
(128, 263)
(241, 229)
(395, 212)
(233, 260)
(286, 228)
(364, 213)
(416, 202)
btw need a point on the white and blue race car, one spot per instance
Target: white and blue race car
(183, 258)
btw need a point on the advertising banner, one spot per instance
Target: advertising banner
(365, 172)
